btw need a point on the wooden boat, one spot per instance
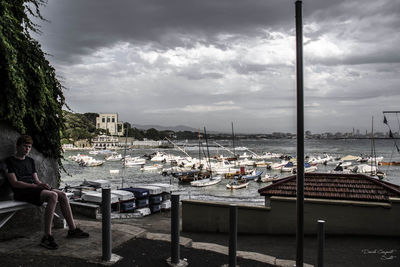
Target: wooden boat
(237, 184)
(206, 182)
(391, 163)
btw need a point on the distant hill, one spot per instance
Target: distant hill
(178, 128)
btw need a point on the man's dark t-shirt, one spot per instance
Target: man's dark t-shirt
(23, 169)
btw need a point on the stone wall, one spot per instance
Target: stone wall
(27, 220)
(342, 217)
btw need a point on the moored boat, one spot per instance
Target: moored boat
(253, 176)
(391, 163)
(206, 182)
(237, 184)
(267, 178)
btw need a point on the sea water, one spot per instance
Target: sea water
(76, 174)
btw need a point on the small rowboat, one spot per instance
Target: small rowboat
(206, 182)
(237, 184)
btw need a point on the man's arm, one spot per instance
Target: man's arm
(18, 184)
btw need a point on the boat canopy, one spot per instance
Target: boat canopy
(350, 157)
(289, 164)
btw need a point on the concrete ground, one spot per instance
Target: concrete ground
(145, 242)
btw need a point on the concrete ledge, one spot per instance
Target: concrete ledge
(223, 204)
(335, 202)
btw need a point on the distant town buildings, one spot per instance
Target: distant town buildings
(109, 121)
(111, 142)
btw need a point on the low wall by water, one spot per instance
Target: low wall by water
(342, 217)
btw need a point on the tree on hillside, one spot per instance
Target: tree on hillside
(91, 117)
(31, 96)
(136, 133)
(152, 134)
(78, 126)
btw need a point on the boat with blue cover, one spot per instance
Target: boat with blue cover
(253, 176)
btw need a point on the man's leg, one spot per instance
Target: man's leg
(73, 232)
(65, 208)
(51, 198)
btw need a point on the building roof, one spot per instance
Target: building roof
(356, 187)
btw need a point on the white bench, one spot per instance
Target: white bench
(10, 207)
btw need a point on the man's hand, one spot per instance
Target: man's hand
(44, 186)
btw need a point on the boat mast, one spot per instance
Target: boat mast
(233, 141)
(252, 152)
(177, 146)
(208, 152)
(199, 148)
(373, 155)
(126, 144)
(227, 149)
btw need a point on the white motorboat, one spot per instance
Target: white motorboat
(154, 167)
(278, 165)
(90, 162)
(237, 184)
(136, 161)
(114, 157)
(364, 168)
(246, 162)
(206, 182)
(267, 178)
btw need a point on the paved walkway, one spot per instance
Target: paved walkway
(131, 244)
(145, 242)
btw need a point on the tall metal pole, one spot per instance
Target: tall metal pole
(321, 242)
(106, 223)
(175, 229)
(233, 214)
(300, 136)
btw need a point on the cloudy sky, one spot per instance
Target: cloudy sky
(209, 63)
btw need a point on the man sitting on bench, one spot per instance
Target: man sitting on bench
(27, 187)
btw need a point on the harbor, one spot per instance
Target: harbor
(102, 147)
(119, 176)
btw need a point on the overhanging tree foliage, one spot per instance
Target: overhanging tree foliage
(31, 96)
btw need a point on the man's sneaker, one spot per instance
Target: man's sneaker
(48, 242)
(77, 233)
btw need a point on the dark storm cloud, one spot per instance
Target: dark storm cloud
(225, 60)
(84, 26)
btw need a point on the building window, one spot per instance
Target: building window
(113, 119)
(108, 119)
(103, 119)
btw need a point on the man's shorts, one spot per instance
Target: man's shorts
(30, 195)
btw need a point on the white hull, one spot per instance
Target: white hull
(206, 182)
(237, 185)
